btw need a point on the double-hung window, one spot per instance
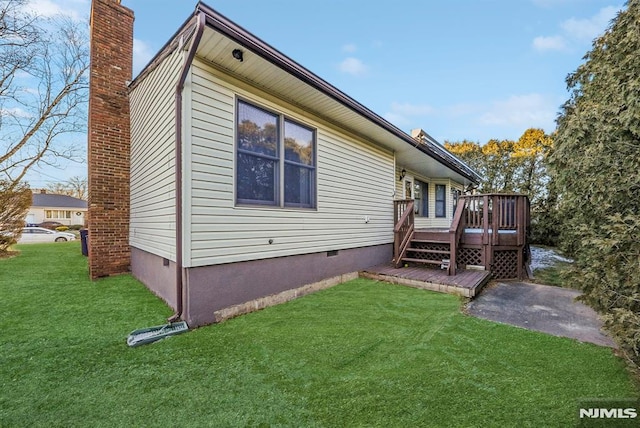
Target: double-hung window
(441, 200)
(276, 159)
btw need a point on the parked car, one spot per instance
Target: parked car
(40, 234)
(50, 224)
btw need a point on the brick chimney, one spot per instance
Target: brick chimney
(109, 137)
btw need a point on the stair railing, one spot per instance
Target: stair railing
(403, 217)
(455, 233)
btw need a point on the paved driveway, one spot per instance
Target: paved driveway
(551, 310)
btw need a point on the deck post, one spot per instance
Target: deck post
(497, 208)
(520, 263)
(521, 220)
(486, 243)
(481, 225)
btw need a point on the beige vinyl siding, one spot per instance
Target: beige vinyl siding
(453, 185)
(354, 180)
(152, 103)
(399, 184)
(431, 220)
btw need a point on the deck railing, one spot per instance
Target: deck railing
(403, 218)
(495, 211)
(489, 214)
(458, 225)
(487, 222)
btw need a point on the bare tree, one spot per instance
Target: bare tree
(43, 88)
(75, 186)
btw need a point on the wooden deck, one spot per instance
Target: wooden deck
(487, 230)
(466, 283)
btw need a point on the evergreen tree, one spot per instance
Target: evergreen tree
(596, 167)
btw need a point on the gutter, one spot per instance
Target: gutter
(249, 41)
(179, 88)
(244, 38)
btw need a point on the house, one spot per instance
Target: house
(251, 179)
(52, 207)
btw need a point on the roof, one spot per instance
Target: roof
(57, 201)
(279, 75)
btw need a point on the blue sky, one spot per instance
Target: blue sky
(459, 69)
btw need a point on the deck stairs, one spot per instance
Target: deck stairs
(487, 231)
(429, 249)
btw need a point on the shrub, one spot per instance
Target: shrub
(15, 200)
(76, 227)
(6, 241)
(62, 228)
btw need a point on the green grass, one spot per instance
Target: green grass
(553, 275)
(360, 354)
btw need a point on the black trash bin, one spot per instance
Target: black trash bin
(84, 238)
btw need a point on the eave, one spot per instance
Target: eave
(271, 71)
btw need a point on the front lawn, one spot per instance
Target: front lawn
(360, 354)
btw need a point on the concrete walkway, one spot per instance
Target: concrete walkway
(551, 310)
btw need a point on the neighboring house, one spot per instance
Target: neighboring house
(61, 208)
(252, 180)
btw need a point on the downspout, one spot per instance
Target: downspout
(179, 88)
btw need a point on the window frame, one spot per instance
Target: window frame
(238, 151)
(455, 197)
(313, 167)
(423, 208)
(57, 214)
(279, 160)
(441, 201)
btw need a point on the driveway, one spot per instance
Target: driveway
(551, 310)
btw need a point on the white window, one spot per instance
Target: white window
(441, 200)
(57, 214)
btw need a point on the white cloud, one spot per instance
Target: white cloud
(44, 8)
(353, 66)
(408, 109)
(16, 112)
(401, 113)
(589, 28)
(349, 48)
(397, 119)
(74, 9)
(576, 30)
(462, 109)
(142, 54)
(32, 91)
(530, 110)
(21, 74)
(550, 43)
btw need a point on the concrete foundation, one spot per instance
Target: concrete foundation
(218, 292)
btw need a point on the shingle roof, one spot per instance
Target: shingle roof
(57, 201)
